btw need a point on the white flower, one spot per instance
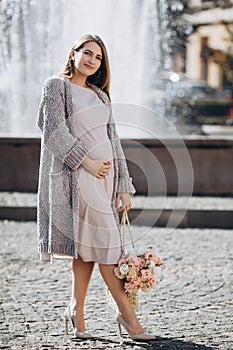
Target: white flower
(124, 268)
(140, 251)
(150, 264)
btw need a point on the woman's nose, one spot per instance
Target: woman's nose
(91, 59)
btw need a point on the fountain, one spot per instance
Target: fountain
(36, 36)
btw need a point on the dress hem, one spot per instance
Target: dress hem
(50, 257)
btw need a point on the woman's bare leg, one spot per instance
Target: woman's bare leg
(116, 288)
(82, 272)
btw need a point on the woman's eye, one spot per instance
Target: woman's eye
(89, 53)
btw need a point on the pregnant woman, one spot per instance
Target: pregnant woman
(83, 180)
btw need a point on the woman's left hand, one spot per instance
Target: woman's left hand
(124, 197)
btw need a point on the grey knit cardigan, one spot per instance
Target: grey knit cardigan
(61, 155)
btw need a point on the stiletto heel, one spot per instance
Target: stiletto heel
(77, 334)
(66, 325)
(119, 328)
(141, 336)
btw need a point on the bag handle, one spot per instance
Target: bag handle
(124, 222)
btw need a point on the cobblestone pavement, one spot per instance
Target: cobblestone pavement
(191, 307)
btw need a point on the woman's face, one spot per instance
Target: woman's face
(88, 59)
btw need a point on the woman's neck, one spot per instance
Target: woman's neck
(79, 80)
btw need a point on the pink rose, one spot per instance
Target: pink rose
(132, 273)
(151, 282)
(132, 260)
(146, 286)
(150, 255)
(130, 288)
(146, 275)
(118, 273)
(141, 263)
(122, 260)
(158, 261)
(133, 285)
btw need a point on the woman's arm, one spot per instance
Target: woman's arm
(52, 122)
(124, 181)
(97, 167)
(125, 200)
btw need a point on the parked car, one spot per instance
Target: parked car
(193, 90)
(197, 102)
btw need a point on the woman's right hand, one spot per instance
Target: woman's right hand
(97, 167)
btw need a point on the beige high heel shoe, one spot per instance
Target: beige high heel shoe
(77, 334)
(140, 337)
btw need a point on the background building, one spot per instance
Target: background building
(209, 50)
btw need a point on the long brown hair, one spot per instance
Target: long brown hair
(101, 78)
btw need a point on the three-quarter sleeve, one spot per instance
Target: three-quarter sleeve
(124, 180)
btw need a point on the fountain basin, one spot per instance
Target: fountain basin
(211, 160)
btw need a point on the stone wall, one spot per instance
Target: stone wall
(164, 163)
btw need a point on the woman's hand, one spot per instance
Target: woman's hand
(124, 197)
(97, 167)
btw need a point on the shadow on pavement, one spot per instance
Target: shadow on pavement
(173, 344)
(159, 343)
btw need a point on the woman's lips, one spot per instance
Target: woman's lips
(88, 66)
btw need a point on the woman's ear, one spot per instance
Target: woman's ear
(72, 54)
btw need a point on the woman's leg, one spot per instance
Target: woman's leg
(116, 288)
(82, 272)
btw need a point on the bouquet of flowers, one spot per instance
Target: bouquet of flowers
(138, 272)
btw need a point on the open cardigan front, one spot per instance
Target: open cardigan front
(61, 155)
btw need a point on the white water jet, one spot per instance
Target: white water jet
(36, 36)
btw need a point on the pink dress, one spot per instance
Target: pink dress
(99, 237)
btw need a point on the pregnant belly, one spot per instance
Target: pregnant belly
(99, 150)
(95, 193)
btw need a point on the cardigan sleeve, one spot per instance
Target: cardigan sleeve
(124, 180)
(52, 122)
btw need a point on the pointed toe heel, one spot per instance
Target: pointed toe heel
(77, 334)
(139, 337)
